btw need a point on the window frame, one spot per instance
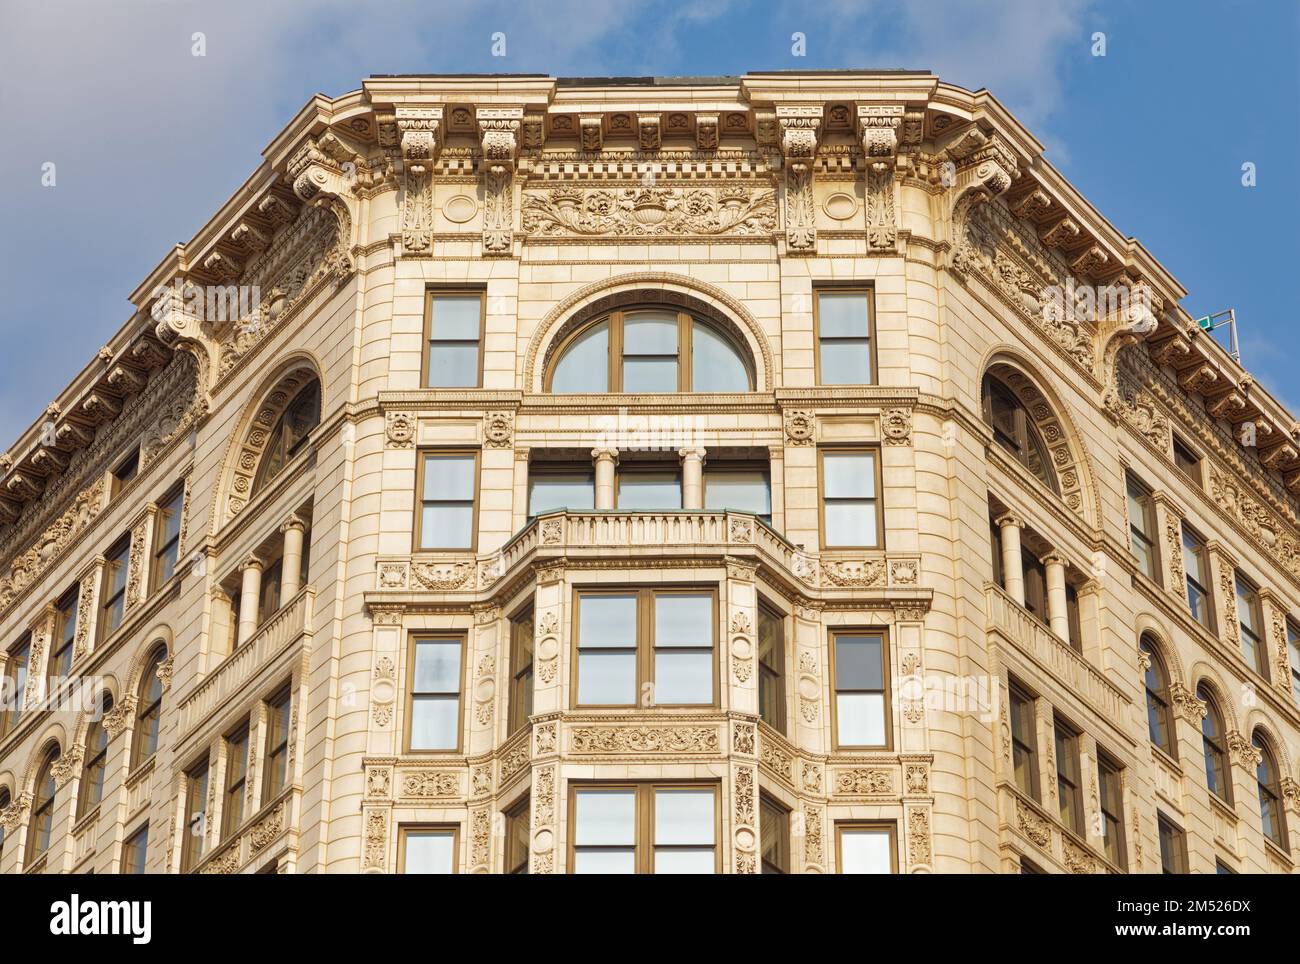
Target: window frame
(1187, 455)
(779, 673)
(1025, 427)
(195, 846)
(1293, 655)
(770, 807)
(144, 709)
(280, 703)
(511, 862)
(139, 839)
(1217, 744)
(1016, 691)
(1178, 845)
(417, 530)
(404, 830)
(1063, 733)
(120, 478)
(94, 758)
(866, 826)
(647, 467)
(869, 292)
(117, 557)
(16, 674)
(244, 733)
(1256, 633)
(43, 808)
(1111, 773)
(643, 817)
(875, 452)
(263, 476)
(174, 500)
(1273, 791)
(62, 642)
(887, 695)
(461, 637)
(1148, 534)
(521, 674)
(542, 469)
(1192, 542)
(737, 467)
(645, 648)
(1164, 707)
(426, 344)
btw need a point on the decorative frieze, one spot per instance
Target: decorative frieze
(676, 738)
(423, 784)
(736, 210)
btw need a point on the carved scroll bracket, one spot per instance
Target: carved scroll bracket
(419, 136)
(499, 132)
(799, 126)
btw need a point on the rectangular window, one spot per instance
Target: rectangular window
(1035, 575)
(851, 510)
(1196, 565)
(1188, 462)
(1111, 794)
(1252, 644)
(845, 324)
(560, 487)
(771, 667)
(1293, 647)
(167, 537)
(1024, 741)
(135, 850)
(65, 635)
(646, 644)
(861, 695)
(1173, 848)
(426, 850)
(866, 848)
(738, 489)
(232, 804)
(196, 816)
(15, 688)
(268, 600)
(453, 331)
(774, 829)
(434, 706)
(278, 735)
(126, 470)
(1142, 526)
(113, 607)
(649, 487)
(645, 829)
(521, 670)
(1221, 868)
(1069, 791)
(517, 832)
(448, 483)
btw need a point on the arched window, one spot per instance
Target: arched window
(650, 349)
(148, 710)
(290, 433)
(42, 822)
(92, 774)
(1218, 777)
(1271, 818)
(1160, 717)
(1014, 429)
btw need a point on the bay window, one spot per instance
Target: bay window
(644, 829)
(861, 692)
(434, 704)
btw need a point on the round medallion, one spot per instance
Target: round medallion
(840, 206)
(460, 208)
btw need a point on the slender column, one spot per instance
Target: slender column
(606, 459)
(1057, 612)
(1013, 573)
(692, 477)
(291, 564)
(250, 592)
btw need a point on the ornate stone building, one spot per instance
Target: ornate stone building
(536, 474)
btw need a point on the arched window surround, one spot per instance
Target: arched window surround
(1160, 713)
(1268, 779)
(40, 822)
(148, 708)
(1214, 741)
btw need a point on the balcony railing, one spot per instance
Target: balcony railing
(273, 637)
(1048, 651)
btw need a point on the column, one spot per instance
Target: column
(606, 459)
(250, 591)
(1057, 613)
(291, 563)
(1013, 573)
(692, 477)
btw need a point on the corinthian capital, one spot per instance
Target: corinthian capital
(419, 131)
(499, 131)
(878, 126)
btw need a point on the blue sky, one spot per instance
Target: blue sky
(149, 140)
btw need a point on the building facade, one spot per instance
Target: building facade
(785, 473)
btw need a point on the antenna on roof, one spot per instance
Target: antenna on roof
(1223, 319)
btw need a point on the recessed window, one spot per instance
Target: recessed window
(649, 487)
(552, 488)
(15, 684)
(1024, 741)
(135, 850)
(454, 334)
(861, 698)
(517, 835)
(427, 850)
(739, 489)
(1142, 526)
(447, 484)
(125, 471)
(1069, 791)
(91, 790)
(65, 635)
(1249, 621)
(113, 607)
(1218, 776)
(866, 848)
(148, 711)
(278, 734)
(5, 801)
(1188, 462)
(774, 831)
(1111, 796)
(167, 537)
(771, 667)
(434, 706)
(1014, 430)
(650, 350)
(1173, 847)
(40, 825)
(845, 326)
(1223, 869)
(1160, 716)
(852, 515)
(1196, 565)
(1293, 648)
(232, 804)
(644, 829)
(289, 434)
(1271, 815)
(521, 670)
(196, 817)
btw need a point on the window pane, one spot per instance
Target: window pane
(449, 477)
(584, 366)
(604, 862)
(650, 333)
(649, 490)
(437, 666)
(605, 818)
(456, 317)
(1192, 558)
(683, 677)
(850, 523)
(650, 375)
(447, 527)
(683, 817)
(607, 621)
(858, 664)
(865, 852)
(683, 620)
(715, 364)
(741, 491)
(849, 475)
(606, 678)
(842, 314)
(434, 722)
(1246, 607)
(845, 362)
(685, 861)
(429, 853)
(568, 491)
(861, 719)
(453, 365)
